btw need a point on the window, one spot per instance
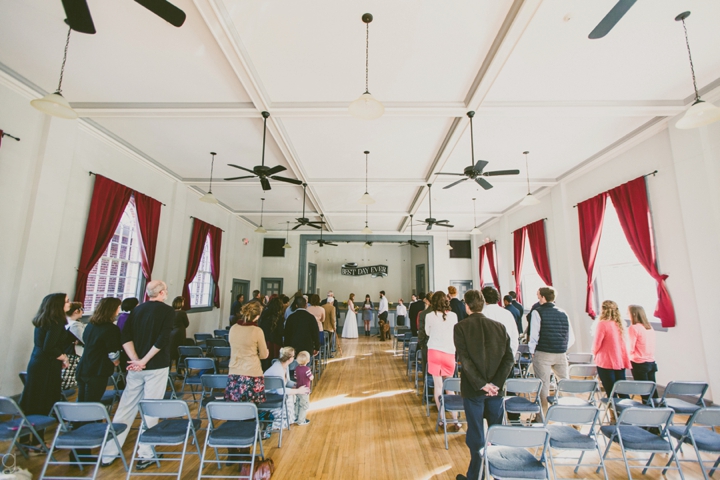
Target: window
(118, 273)
(531, 281)
(487, 276)
(461, 249)
(202, 287)
(273, 247)
(619, 276)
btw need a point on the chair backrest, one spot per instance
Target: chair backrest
(521, 437)
(213, 381)
(577, 386)
(164, 408)
(408, 336)
(201, 337)
(451, 384)
(200, 364)
(221, 352)
(523, 348)
(220, 333)
(81, 412)
(709, 417)
(523, 385)
(582, 370)
(8, 406)
(572, 415)
(190, 351)
(646, 417)
(697, 389)
(232, 411)
(632, 387)
(274, 383)
(216, 342)
(580, 358)
(412, 348)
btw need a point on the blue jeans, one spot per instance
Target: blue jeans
(477, 409)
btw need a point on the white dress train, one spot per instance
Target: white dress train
(350, 329)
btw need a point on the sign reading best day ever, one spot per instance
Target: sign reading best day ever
(358, 271)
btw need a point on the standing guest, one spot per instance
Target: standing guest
(319, 313)
(127, 306)
(304, 377)
(331, 300)
(330, 323)
(456, 305)
(518, 306)
(271, 323)
(256, 297)
(146, 340)
(383, 325)
(508, 303)
(550, 337)
(421, 333)
(642, 346)
(75, 349)
(42, 384)
(235, 308)
(179, 330)
(401, 313)
(293, 305)
(281, 368)
(350, 329)
(611, 356)
(367, 314)
(301, 330)
(493, 311)
(414, 311)
(247, 348)
(483, 347)
(439, 325)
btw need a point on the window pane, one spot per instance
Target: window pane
(531, 281)
(201, 286)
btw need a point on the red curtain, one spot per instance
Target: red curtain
(148, 223)
(481, 257)
(108, 203)
(538, 250)
(197, 244)
(591, 214)
(631, 203)
(490, 252)
(519, 236)
(215, 244)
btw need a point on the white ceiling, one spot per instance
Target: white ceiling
(526, 66)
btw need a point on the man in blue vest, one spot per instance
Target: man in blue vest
(550, 337)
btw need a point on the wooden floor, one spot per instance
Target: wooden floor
(366, 423)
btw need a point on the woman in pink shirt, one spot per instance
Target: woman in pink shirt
(611, 356)
(642, 345)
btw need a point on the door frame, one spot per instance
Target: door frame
(238, 282)
(311, 267)
(418, 267)
(265, 280)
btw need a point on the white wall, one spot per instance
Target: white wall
(45, 193)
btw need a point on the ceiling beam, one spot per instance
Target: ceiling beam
(358, 213)
(418, 182)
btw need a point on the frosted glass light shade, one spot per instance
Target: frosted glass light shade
(208, 198)
(54, 104)
(448, 246)
(287, 245)
(529, 199)
(701, 113)
(366, 107)
(366, 230)
(366, 199)
(475, 231)
(260, 229)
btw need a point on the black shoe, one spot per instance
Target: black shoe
(143, 464)
(460, 476)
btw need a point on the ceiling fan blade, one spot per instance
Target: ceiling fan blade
(454, 183)
(497, 173)
(429, 226)
(483, 183)
(297, 226)
(78, 16)
(276, 169)
(265, 184)
(445, 225)
(442, 221)
(415, 245)
(331, 244)
(480, 165)
(238, 178)
(313, 226)
(456, 174)
(165, 10)
(241, 168)
(612, 18)
(287, 180)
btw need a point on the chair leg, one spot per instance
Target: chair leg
(652, 455)
(717, 463)
(202, 456)
(552, 463)
(577, 467)
(607, 449)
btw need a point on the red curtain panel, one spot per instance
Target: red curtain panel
(197, 244)
(591, 215)
(148, 222)
(490, 252)
(108, 203)
(215, 244)
(481, 261)
(538, 250)
(518, 256)
(631, 203)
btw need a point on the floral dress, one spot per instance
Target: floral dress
(241, 388)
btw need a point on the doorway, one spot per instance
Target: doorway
(240, 287)
(312, 278)
(420, 279)
(271, 286)
(462, 286)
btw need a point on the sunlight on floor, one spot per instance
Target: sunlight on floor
(340, 359)
(341, 400)
(437, 471)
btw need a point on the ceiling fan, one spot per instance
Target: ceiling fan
(80, 20)
(322, 242)
(302, 221)
(475, 172)
(612, 18)
(261, 171)
(412, 242)
(432, 221)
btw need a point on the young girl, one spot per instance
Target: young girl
(367, 314)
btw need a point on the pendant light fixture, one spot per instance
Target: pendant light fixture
(54, 103)
(529, 199)
(260, 228)
(700, 113)
(475, 229)
(366, 107)
(209, 197)
(287, 236)
(366, 199)
(366, 230)
(447, 236)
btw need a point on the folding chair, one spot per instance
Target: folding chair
(202, 366)
(525, 404)
(240, 429)
(565, 437)
(275, 401)
(505, 454)
(171, 394)
(450, 402)
(18, 424)
(174, 428)
(187, 351)
(579, 358)
(111, 397)
(419, 368)
(524, 360)
(567, 392)
(201, 338)
(220, 333)
(222, 357)
(211, 383)
(428, 396)
(700, 433)
(90, 435)
(586, 371)
(628, 388)
(211, 343)
(411, 356)
(406, 343)
(680, 406)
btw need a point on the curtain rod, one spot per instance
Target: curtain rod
(5, 134)
(646, 175)
(93, 173)
(206, 222)
(526, 226)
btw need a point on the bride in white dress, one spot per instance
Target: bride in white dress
(350, 326)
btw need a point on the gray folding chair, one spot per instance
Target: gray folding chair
(578, 393)
(222, 357)
(170, 392)
(527, 404)
(587, 371)
(111, 397)
(240, 428)
(524, 359)
(406, 343)
(211, 343)
(411, 356)
(428, 395)
(631, 434)
(419, 368)
(16, 424)
(213, 389)
(579, 358)
(687, 389)
(174, 428)
(187, 351)
(700, 433)
(450, 402)
(275, 401)
(195, 368)
(201, 338)
(220, 333)
(621, 396)
(564, 437)
(90, 435)
(505, 454)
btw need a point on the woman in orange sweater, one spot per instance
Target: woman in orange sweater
(611, 355)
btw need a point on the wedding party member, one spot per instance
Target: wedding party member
(611, 356)
(367, 314)
(350, 329)
(401, 312)
(247, 348)
(179, 331)
(415, 308)
(642, 346)
(383, 324)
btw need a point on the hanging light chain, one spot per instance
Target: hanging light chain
(474, 214)
(262, 210)
(212, 167)
(62, 68)
(692, 67)
(366, 173)
(367, 55)
(527, 171)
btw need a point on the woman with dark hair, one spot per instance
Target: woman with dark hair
(439, 325)
(271, 323)
(75, 349)
(179, 331)
(126, 306)
(367, 314)
(42, 384)
(318, 312)
(247, 347)
(642, 346)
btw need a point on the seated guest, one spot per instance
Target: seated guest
(179, 331)
(126, 306)
(247, 347)
(301, 329)
(280, 368)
